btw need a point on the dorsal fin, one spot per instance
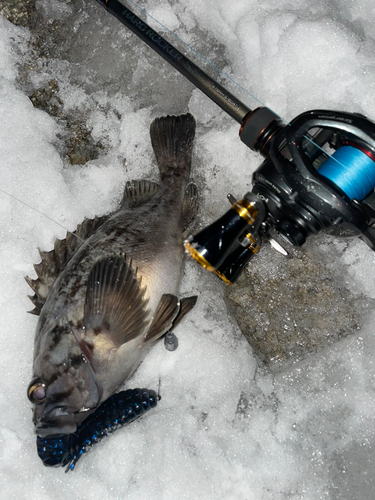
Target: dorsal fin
(115, 307)
(137, 193)
(84, 230)
(53, 262)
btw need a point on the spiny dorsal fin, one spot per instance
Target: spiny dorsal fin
(38, 303)
(190, 206)
(137, 193)
(165, 314)
(53, 262)
(82, 233)
(116, 307)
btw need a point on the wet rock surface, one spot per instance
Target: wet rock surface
(42, 80)
(290, 307)
(18, 12)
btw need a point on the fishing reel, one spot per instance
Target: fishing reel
(318, 175)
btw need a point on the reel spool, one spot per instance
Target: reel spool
(352, 170)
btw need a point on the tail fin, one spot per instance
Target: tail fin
(172, 139)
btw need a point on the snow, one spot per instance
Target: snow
(224, 428)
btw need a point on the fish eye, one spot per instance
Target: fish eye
(37, 391)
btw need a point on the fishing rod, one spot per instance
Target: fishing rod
(318, 173)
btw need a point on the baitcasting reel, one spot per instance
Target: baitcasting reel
(318, 175)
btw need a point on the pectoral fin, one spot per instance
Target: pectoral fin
(115, 306)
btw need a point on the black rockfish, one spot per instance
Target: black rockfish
(109, 290)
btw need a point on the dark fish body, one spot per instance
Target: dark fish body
(108, 291)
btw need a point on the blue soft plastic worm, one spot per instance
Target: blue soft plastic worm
(119, 410)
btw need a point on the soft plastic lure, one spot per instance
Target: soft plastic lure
(119, 410)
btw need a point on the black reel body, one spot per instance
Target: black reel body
(318, 175)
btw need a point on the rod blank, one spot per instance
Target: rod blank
(227, 101)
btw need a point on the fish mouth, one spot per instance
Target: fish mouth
(58, 421)
(59, 418)
(53, 427)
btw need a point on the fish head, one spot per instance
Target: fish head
(64, 388)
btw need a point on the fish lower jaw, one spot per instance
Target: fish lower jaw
(64, 423)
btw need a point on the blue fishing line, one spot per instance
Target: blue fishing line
(351, 170)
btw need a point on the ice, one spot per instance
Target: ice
(164, 15)
(225, 428)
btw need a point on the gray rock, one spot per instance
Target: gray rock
(289, 307)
